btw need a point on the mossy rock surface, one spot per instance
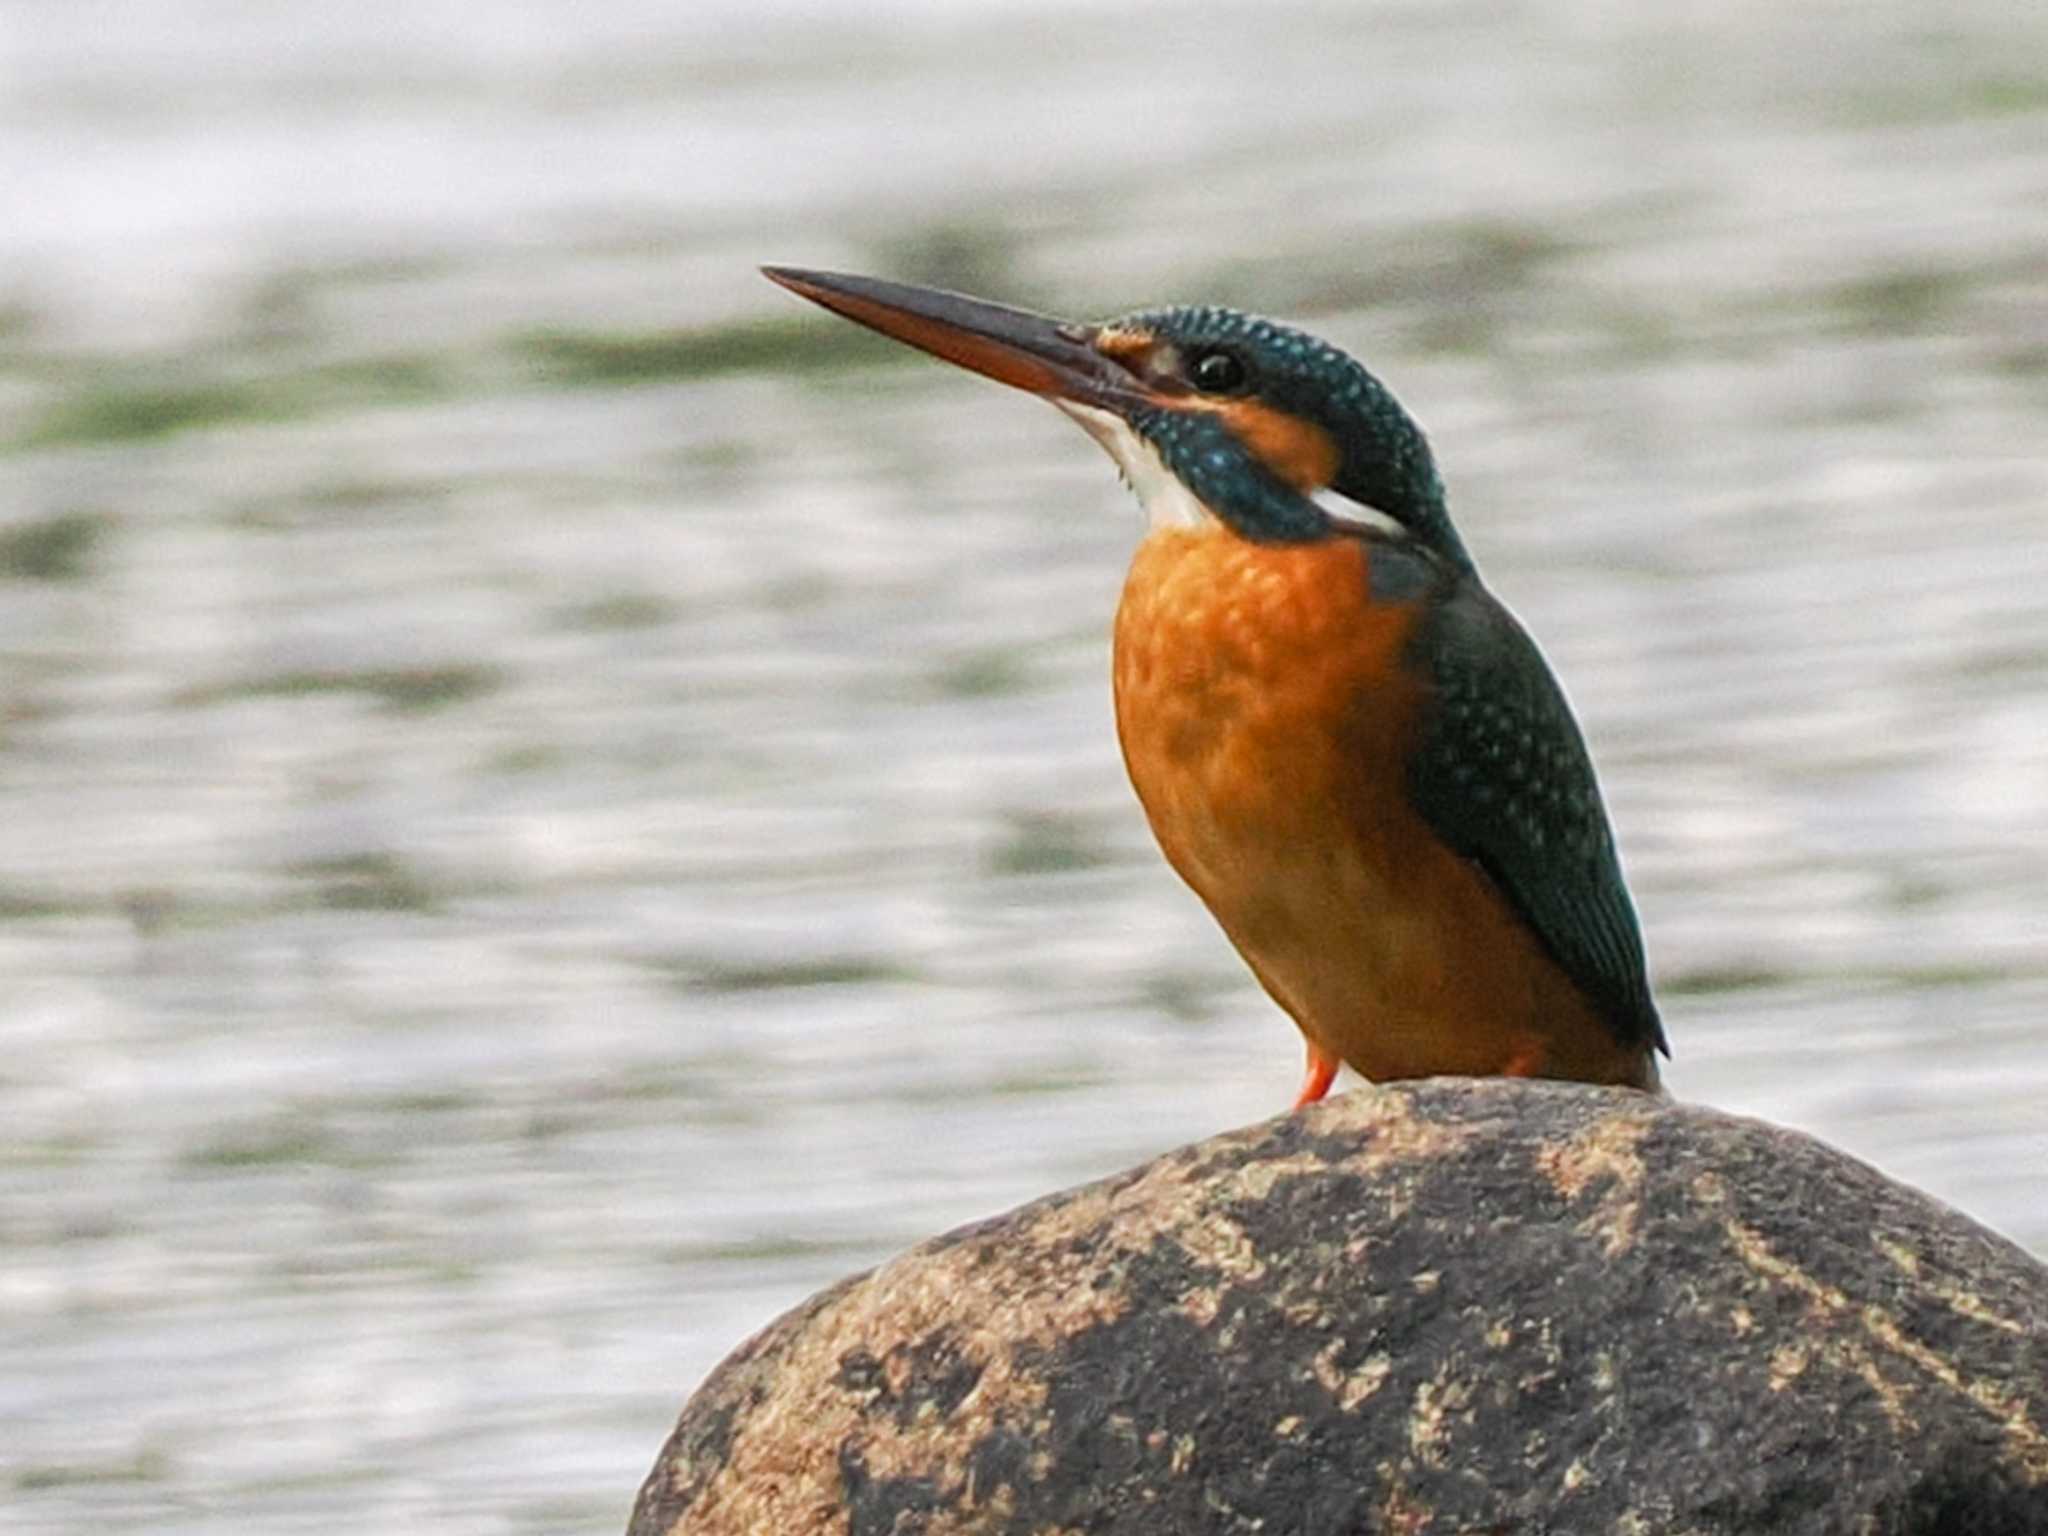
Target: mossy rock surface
(1451, 1306)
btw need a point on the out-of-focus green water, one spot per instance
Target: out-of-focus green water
(556, 801)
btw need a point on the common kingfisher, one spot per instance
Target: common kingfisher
(1343, 742)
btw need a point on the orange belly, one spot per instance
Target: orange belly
(1265, 715)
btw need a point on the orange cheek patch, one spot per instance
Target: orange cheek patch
(1298, 451)
(1131, 348)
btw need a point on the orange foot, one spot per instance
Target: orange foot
(1322, 1071)
(1526, 1062)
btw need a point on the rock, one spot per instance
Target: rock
(1450, 1306)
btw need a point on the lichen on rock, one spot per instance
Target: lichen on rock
(1442, 1306)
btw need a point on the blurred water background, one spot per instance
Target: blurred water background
(556, 800)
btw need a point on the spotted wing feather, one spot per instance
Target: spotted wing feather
(1502, 776)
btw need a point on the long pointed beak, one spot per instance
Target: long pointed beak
(1049, 357)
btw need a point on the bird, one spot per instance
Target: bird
(1344, 743)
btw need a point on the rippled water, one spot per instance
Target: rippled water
(556, 801)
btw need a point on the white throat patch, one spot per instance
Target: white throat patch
(1167, 503)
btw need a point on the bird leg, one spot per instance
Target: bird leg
(1315, 1082)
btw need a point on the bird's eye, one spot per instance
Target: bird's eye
(1217, 373)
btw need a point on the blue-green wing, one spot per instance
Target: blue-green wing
(1503, 777)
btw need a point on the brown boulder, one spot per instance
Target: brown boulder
(1450, 1306)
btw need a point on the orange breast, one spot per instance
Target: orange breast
(1266, 715)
